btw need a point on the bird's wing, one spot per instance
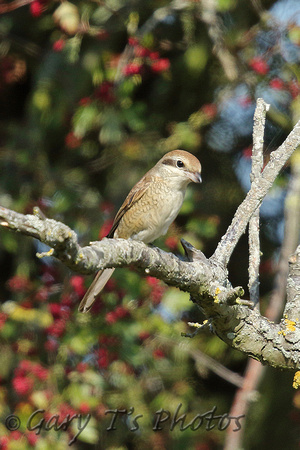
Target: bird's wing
(134, 196)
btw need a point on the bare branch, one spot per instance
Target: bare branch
(292, 309)
(258, 191)
(257, 166)
(106, 253)
(215, 31)
(204, 361)
(254, 370)
(291, 233)
(13, 5)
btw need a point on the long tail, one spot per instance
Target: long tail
(95, 288)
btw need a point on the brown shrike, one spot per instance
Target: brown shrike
(149, 208)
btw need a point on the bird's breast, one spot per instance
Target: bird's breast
(151, 216)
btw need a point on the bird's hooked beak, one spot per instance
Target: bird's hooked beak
(194, 176)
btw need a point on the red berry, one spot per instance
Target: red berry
(57, 329)
(111, 318)
(294, 88)
(161, 65)
(82, 367)
(51, 345)
(72, 141)
(158, 353)
(121, 312)
(259, 65)
(154, 55)
(132, 69)
(77, 283)
(277, 83)
(36, 8)
(3, 318)
(22, 385)
(172, 242)
(40, 372)
(59, 45)
(141, 52)
(18, 283)
(85, 101)
(103, 359)
(133, 41)
(32, 439)
(4, 441)
(152, 281)
(210, 110)
(84, 408)
(105, 92)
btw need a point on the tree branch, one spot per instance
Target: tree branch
(254, 370)
(13, 5)
(215, 31)
(259, 189)
(257, 166)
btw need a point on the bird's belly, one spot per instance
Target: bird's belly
(159, 219)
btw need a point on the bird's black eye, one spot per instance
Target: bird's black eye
(180, 163)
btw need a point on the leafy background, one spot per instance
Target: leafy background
(92, 94)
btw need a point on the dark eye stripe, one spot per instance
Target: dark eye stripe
(169, 162)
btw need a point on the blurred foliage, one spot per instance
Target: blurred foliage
(92, 94)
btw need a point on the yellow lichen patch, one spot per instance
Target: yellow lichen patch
(290, 325)
(217, 292)
(282, 332)
(296, 381)
(197, 325)
(42, 255)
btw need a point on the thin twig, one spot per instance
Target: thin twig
(205, 361)
(216, 33)
(291, 233)
(8, 7)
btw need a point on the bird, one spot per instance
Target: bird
(149, 208)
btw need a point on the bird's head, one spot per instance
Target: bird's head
(181, 165)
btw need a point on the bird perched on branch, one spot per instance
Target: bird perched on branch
(149, 208)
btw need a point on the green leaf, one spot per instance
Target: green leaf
(195, 59)
(85, 119)
(111, 130)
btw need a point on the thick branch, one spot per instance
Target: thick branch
(272, 344)
(106, 253)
